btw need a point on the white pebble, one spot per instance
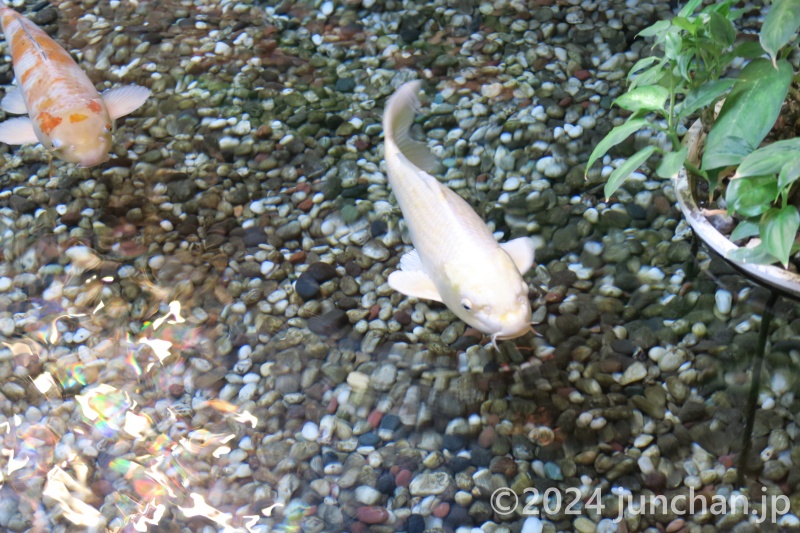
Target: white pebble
(652, 274)
(241, 128)
(646, 464)
(671, 360)
(532, 524)
(724, 301)
(81, 335)
(636, 372)
(598, 423)
(243, 471)
(367, 495)
(248, 392)
(512, 183)
(267, 267)
(310, 431)
(593, 248)
(156, 262)
(222, 49)
(227, 142)
(607, 525)
(573, 131)
(326, 8)
(5, 284)
(83, 257)
(780, 382)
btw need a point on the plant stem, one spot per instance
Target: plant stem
(694, 170)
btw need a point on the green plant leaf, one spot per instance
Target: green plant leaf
(780, 24)
(769, 159)
(656, 29)
(749, 50)
(752, 196)
(686, 24)
(703, 96)
(789, 173)
(745, 229)
(721, 29)
(778, 229)
(749, 112)
(673, 43)
(683, 65)
(650, 76)
(672, 163)
(648, 98)
(614, 137)
(757, 254)
(622, 172)
(730, 149)
(689, 8)
(642, 64)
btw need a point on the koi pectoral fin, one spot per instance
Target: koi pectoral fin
(13, 102)
(18, 131)
(414, 283)
(521, 252)
(122, 101)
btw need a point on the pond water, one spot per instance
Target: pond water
(198, 334)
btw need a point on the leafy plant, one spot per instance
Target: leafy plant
(686, 79)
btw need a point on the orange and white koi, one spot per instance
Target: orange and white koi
(65, 112)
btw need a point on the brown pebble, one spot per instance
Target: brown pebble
(503, 465)
(655, 481)
(176, 390)
(553, 297)
(373, 312)
(403, 478)
(487, 437)
(297, 257)
(676, 525)
(662, 205)
(564, 102)
(582, 74)
(610, 366)
(102, 488)
(374, 418)
(372, 514)
(306, 204)
(441, 510)
(402, 318)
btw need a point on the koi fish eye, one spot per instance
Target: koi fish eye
(57, 144)
(466, 304)
(107, 127)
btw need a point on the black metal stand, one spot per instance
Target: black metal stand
(755, 386)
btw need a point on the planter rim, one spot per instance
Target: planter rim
(771, 275)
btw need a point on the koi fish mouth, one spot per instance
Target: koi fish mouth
(499, 337)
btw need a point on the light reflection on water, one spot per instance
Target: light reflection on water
(132, 456)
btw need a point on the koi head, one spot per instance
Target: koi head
(82, 138)
(492, 299)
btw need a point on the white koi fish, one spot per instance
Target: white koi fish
(455, 260)
(65, 112)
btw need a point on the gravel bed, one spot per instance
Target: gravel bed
(198, 334)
